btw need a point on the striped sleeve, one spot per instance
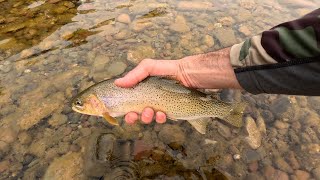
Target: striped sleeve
(282, 60)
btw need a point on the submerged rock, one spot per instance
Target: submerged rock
(67, 167)
(254, 137)
(180, 25)
(137, 54)
(171, 134)
(225, 36)
(194, 6)
(124, 18)
(283, 165)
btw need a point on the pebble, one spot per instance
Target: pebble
(208, 40)
(69, 166)
(224, 130)
(5, 68)
(261, 125)
(293, 161)
(283, 165)
(124, 18)
(253, 167)
(8, 135)
(24, 138)
(171, 134)
(226, 21)
(137, 54)
(236, 156)
(281, 125)
(4, 166)
(141, 25)
(316, 173)
(254, 135)
(180, 25)
(116, 68)
(57, 119)
(251, 156)
(245, 30)
(225, 36)
(282, 108)
(194, 6)
(302, 175)
(123, 34)
(267, 116)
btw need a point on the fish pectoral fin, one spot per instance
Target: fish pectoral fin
(200, 124)
(110, 119)
(235, 116)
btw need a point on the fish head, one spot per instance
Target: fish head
(88, 103)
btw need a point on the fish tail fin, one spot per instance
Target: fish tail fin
(235, 116)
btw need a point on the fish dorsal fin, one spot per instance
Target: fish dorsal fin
(110, 119)
(235, 116)
(200, 124)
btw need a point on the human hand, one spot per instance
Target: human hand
(212, 71)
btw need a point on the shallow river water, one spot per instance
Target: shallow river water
(51, 50)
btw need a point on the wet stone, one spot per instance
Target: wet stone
(171, 134)
(251, 156)
(180, 25)
(225, 36)
(267, 116)
(281, 125)
(24, 138)
(57, 119)
(4, 166)
(124, 18)
(283, 165)
(7, 135)
(208, 40)
(292, 160)
(226, 21)
(281, 108)
(137, 54)
(254, 135)
(316, 172)
(224, 130)
(194, 6)
(253, 167)
(68, 166)
(302, 175)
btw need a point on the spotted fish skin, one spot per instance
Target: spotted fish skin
(175, 100)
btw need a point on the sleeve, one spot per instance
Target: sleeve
(282, 60)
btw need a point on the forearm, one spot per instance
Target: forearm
(283, 60)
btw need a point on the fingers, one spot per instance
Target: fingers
(161, 117)
(146, 117)
(148, 67)
(131, 117)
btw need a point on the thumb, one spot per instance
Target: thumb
(148, 67)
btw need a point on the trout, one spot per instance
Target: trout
(107, 100)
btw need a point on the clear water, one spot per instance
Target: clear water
(51, 50)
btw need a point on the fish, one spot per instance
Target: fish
(107, 100)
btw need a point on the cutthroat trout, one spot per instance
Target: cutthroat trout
(107, 100)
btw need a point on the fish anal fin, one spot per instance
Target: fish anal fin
(200, 124)
(110, 119)
(235, 116)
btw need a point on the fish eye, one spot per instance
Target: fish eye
(78, 103)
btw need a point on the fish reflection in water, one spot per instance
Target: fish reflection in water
(109, 157)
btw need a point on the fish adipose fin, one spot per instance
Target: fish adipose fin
(235, 116)
(200, 124)
(110, 119)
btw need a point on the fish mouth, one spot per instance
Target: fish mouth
(75, 109)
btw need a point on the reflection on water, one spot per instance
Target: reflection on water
(51, 50)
